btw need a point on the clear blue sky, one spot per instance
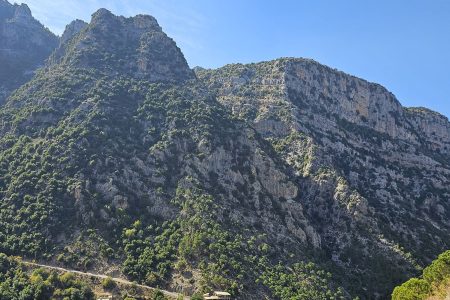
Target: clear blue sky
(401, 44)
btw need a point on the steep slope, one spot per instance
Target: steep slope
(114, 157)
(375, 176)
(25, 44)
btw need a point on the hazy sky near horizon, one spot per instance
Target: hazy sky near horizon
(403, 44)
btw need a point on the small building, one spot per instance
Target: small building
(217, 295)
(104, 296)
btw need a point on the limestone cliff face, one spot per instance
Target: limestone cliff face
(369, 167)
(315, 88)
(25, 44)
(432, 128)
(365, 104)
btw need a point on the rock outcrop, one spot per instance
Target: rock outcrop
(25, 44)
(74, 28)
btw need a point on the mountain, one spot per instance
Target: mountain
(25, 44)
(278, 180)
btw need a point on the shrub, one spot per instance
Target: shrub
(108, 283)
(413, 289)
(158, 295)
(433, 278)
(196, 296)
(67, 279)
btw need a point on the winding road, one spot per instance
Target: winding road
(101, 276)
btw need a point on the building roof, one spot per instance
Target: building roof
(218, 293)
(104, 296)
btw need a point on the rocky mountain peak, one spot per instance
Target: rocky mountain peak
(146, 22)
(140, 21)
(351, 99)
(335, 98)
(116, 45)
(17, 13)
(25, 45)
(72, 29)
(104, 20)
(102, 13)
(23, 12)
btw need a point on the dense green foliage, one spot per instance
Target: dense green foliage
(16, 284)
(301, 281)
(432, 278)
(108, 283)
(158, 295)
(193, 240)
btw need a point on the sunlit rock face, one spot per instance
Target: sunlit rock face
(364, 159)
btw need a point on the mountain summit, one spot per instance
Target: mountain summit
(135, 46)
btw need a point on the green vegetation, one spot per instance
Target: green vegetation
(435, 278)
(158, 295)
(302, 281)
(111, 174)
(192, 241)
(108, 283)
(15, 283)
(196, 241)
(197, 297)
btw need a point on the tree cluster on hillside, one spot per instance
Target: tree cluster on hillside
(435, 278)
(16, 283)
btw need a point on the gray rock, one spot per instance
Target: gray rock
(25, 44)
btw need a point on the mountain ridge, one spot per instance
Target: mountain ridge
(374, 85)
